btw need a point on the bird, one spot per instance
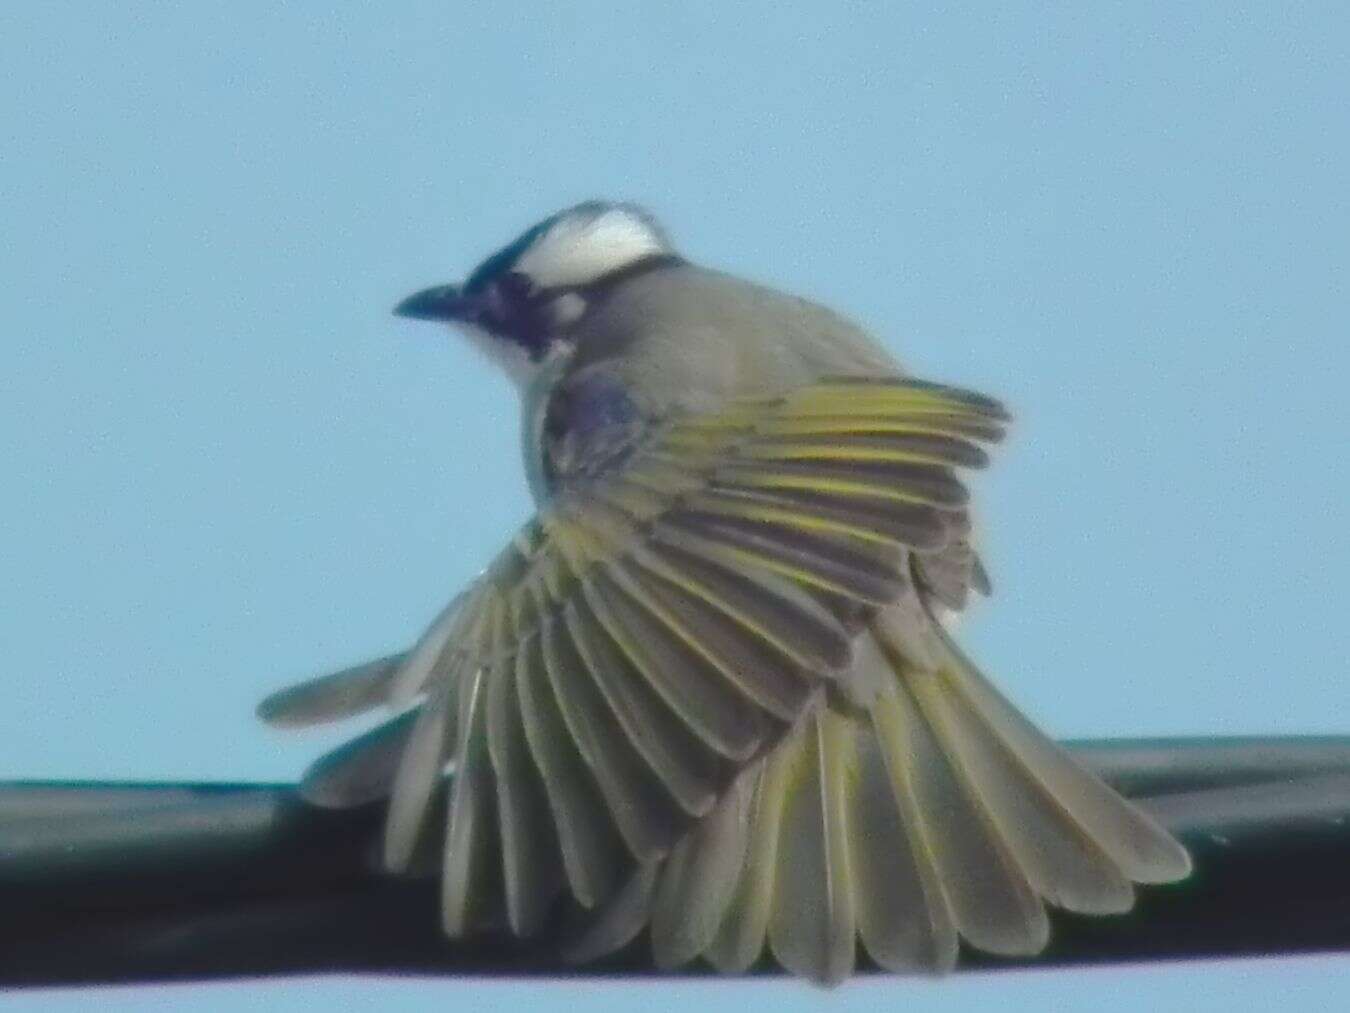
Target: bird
(711, 690)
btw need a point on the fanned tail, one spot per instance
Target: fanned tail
(923, 810)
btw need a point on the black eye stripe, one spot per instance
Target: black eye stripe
(515, 286)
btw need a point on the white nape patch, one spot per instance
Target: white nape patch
(585, 245)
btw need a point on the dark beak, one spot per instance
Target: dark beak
(444, 302)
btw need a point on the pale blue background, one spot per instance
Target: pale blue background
(226, 466)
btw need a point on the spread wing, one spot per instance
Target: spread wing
(658, 626)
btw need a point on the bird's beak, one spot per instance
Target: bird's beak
(443, 302)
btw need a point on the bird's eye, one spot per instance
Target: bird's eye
(515, 286)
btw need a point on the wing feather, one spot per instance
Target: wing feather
(917, 526)
(334, 697)
(813, 559)
(470, 839)
(767, 676)
(360, 771)
(723, 718)
(531, 858)
(682, 762)
(655, 629)
(592, 851)
(418, 774)
(897, 448)
(644, 812)
(959, 426)
(906, 483)
(773, 608)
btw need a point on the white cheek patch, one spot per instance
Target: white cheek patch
(567, 309)
(584, 247)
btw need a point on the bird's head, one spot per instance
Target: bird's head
(522, 303)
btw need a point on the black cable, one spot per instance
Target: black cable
(114, 883)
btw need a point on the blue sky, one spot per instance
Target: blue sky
(228, 467)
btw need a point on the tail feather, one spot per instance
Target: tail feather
(618, 921)
(698, 879)
(904, 920)
(1064, 863)
(910, 807)
(991, 899)
(927, 811)
(812, 926)
(740, 939)
(1143, 851)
